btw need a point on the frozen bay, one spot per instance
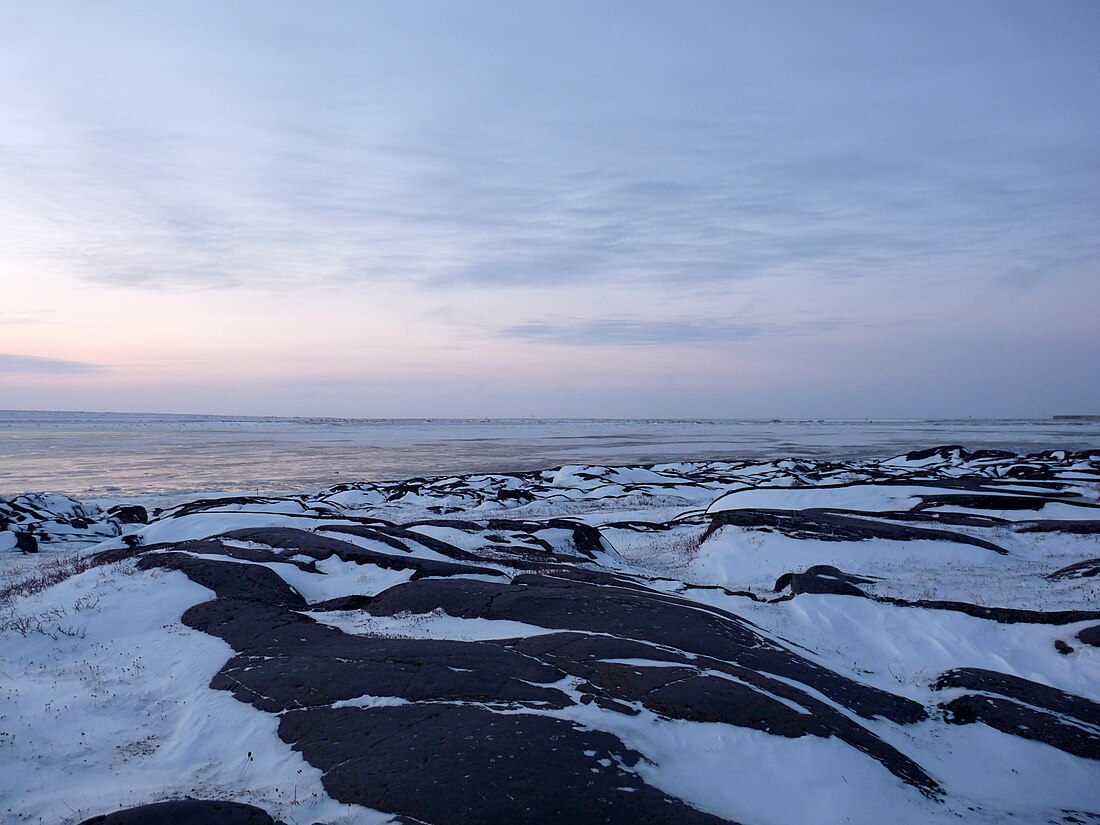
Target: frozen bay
(132, 454)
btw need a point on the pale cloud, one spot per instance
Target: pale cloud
(630, 332)
(374, 173)
(712, 177)
(29, 365)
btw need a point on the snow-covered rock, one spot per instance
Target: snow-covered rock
(909, 640)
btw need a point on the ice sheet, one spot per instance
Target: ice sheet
(123, 454)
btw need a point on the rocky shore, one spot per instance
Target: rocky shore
(911, 639)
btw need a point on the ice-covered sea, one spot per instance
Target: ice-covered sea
(131, 454)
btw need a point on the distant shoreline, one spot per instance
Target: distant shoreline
(342, 419)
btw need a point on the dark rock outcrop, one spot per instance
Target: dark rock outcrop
(187, 812)
(834, 525)
(482, 766)
(129, 514)
(823, 578)
(1090, 635)
(1023, 708)
(1080, 570)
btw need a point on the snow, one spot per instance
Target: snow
(212, 523)
(869, 497)
(903, 650)
(336, 578)
(118, 712)
(109, 704)
(434, 625)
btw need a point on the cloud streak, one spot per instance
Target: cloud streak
(18, 365)
(364, 174)
(628, 332)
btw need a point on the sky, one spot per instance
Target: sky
(590, 209)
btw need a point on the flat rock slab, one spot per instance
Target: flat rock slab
(187, 812)
(460, 764)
